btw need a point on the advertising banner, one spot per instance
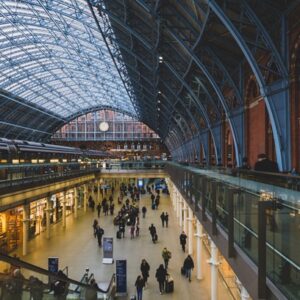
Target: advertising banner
(107, 250)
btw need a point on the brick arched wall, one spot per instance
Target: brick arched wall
(295, 102)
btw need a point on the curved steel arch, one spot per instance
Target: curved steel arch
(279, 122)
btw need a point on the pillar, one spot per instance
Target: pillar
(199, 236)
(25, 228)
(190, 234)
(180, 212)
(98, 191)
(85, 195)
(64, 209)
(177, 206)
(214, 270)
(48, 210)
(185, 209)
(75, 202)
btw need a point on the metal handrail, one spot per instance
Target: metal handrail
(26, 265)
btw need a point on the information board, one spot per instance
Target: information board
(107, 250)
(121, 276)
(53, 264)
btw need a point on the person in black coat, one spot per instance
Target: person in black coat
(264, 164)
(188, 265)
(152, 230)
(162, 217)
(166, 219)
(145, 268)
(161, 275)
(99, 233)
(182, 239)
(139, 284)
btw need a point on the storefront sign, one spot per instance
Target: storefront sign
(121, 276)
(107, 250)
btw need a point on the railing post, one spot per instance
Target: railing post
(229, 196)
(213, 198)
(262, 262)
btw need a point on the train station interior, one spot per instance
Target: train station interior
(149, 149)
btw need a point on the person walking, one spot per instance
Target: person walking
(182, 239)
(99, 209)
(166, 255)
(161, 275)
(153, 233)
(139, 284)
(122, 227)
(99, 233)
(137, 230)
(162, 217)
(95, 227)
(144, 210)
(132, 230)
(145, 268)
(188, 265)
(166, 219)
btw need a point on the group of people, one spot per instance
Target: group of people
(161, 273)
(164, 219)
(15, 283)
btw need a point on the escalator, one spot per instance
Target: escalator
(23, 281)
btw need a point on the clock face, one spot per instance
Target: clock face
(103, 126)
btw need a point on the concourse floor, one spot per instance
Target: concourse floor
(77, 248)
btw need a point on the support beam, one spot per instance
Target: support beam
(25, 228)
(199, 236)
(75, 202)
(190, 234)
(48, 211)
(64, 209)
(85, 196)
(214, 271)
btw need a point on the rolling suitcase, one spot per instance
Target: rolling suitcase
(119, 236)
(183, 271)
(169, 285)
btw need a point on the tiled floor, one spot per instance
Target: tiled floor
(77, 248)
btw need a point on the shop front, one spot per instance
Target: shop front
(11, 229)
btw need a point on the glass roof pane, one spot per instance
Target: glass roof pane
(52, 54)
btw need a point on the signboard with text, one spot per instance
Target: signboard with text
(121, 276)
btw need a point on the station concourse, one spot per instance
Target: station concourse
(194, 103)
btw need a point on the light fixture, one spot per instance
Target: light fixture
(160, 59)
(159, 92)
(158, 109)
(158, 101)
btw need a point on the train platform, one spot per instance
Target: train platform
(77, 249)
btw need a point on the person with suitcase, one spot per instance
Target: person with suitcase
(160, 275)
(188, 265)
(169, 285)
(166, 254)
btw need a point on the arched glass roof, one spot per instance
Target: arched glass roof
(53, 55)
